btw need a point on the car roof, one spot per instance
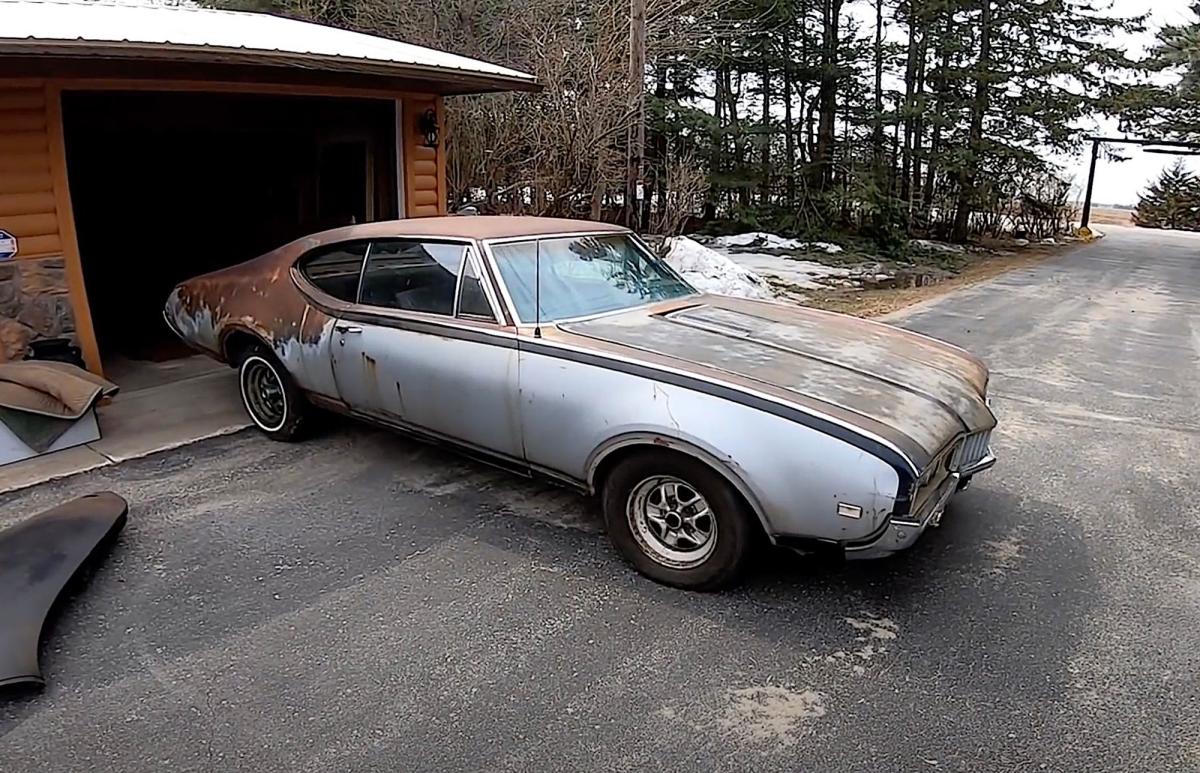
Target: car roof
(469, 227)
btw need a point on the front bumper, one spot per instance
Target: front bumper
(900, 532)
(905, 531)
(986, 463)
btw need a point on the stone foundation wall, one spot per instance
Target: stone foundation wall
(33, 304)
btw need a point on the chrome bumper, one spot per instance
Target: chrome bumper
(903, 532)
(987, 462)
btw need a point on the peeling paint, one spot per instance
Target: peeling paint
(887, 381)
(257, 295)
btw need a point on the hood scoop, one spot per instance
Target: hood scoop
(696, 317)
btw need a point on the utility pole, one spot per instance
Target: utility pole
(637, 131)
(1086, 220)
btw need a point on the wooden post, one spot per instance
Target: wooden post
(1087, 197)
(85, 332)
(637, 132)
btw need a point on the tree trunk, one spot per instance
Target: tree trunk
(716, 162)
(657, 184)
(739, 138)
(918, 124)
(637, 130)
(877, 118)
(895, 149)
(970, 171)
(598, 200)
(789, 137)
(765, 127)
(808, 111)
(910, 87)
(827, 95)
(935, 144)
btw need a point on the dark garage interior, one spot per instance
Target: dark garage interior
(166, 186)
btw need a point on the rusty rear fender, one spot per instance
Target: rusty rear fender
(258, 297)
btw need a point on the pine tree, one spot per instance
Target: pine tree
(1176, 108)
(923, 116)
(1173, 201)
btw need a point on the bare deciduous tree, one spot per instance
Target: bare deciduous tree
(561, 151)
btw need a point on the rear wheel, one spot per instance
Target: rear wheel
(677, 521)
(270, 396)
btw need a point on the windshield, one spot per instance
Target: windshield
(584, 275)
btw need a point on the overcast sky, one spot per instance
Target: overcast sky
(1121, 182)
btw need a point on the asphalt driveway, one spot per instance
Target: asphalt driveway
(362, 602)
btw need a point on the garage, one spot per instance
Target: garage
(142, 145)
(200, 181)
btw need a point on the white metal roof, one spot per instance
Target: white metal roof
(124, 30)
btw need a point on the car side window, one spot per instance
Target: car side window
(412, 275)
(472, 302)
(335, 269)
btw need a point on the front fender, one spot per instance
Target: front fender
(575, 413)
(38, 558)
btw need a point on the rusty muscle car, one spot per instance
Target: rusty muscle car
(568, 348)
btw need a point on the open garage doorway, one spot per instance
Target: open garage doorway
(168, 185)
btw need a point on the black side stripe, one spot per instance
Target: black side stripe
(905, 466)
(430, 327)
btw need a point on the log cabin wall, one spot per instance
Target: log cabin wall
(41, 287)
(42, 291)
(425, 166)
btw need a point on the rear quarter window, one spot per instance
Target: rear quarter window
(335, 269)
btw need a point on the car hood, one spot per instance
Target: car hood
(916, 392)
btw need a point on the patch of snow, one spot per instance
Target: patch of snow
(956, 249)
(1021, 242)
(774, 242)
(801, 273)
(757, 238)
(710, 271)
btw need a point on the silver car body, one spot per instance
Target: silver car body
(837, 431)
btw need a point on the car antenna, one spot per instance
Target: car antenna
(537, 288)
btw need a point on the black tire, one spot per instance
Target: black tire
(270, 396)
(734, 527)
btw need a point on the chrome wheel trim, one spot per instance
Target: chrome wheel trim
(263, 394)
(672, 522)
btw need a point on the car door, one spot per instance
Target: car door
(423, 346)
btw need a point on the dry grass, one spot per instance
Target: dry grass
(1111, 216)
(874, 303)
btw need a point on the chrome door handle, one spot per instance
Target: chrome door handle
(345, 329)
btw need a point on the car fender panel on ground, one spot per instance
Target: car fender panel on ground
(38, 559)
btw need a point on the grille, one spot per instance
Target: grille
(973, 448)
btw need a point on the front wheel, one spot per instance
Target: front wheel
(677, 521)
(271, 398)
